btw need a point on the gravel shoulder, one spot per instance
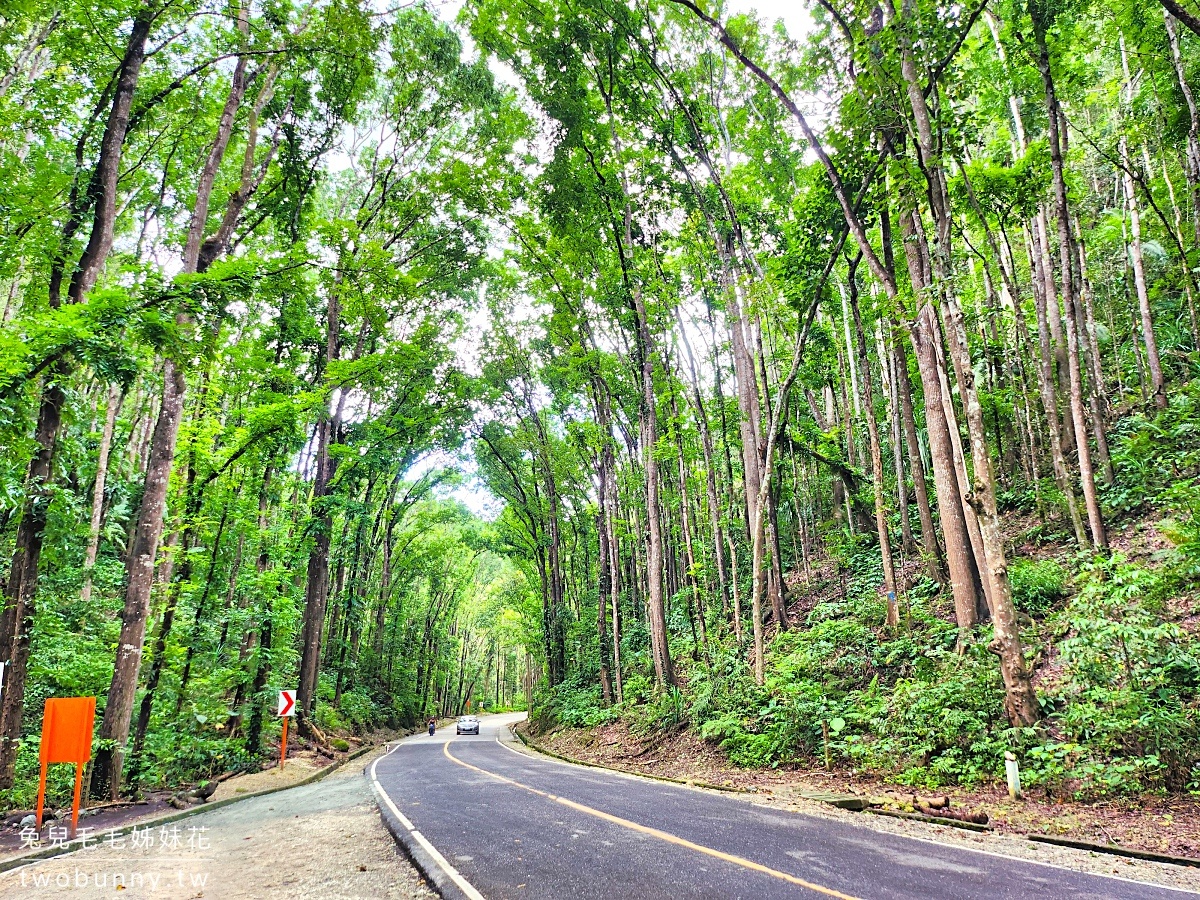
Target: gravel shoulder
(323, 840)
(155, 803)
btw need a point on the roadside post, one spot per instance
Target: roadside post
(1013, 774)
(287, 709)
(66, 738)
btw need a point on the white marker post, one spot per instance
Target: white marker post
(287, 709)
(1013, 773)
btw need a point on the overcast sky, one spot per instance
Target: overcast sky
(795, 17)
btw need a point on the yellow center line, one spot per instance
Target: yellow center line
(654, 832)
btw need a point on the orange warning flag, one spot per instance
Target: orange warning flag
(66, 738)
(67, 730)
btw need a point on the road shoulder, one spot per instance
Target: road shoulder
(322, 840)
(991, 843)
(428, 860)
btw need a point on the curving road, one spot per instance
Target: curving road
(487, 820)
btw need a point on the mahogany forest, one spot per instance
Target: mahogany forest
(827, 390)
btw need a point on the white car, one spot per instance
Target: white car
(467, 725)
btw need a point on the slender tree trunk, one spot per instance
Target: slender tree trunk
(959, 555)
(1097, 399)
(615, 596)
(983, 594)
(118, 711)
(664, 669)
(1020, 698)
(1058, 344)
(253, 635)
(710, 483)
(887, 371)
(1046, 387)
(1158, 389)
(686, 527)
(934, 563)
(749, 413)
(604, 588)
(106, 771)
(17, 620)
(1063, 214)
(1192, 156)
(93, 547)
(737, 594)
(193, 640)
(316, 588)
(868, 404)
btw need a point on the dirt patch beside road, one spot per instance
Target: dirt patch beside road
(155, 803)
(322, 840)
(294, 770)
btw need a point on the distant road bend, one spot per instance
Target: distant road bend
(505, 825)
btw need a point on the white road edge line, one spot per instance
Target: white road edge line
(463, 885)
(1034, 862)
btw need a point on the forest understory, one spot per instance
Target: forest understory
(1168, 823)
(1069, 789)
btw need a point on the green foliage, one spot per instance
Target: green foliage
(1037, 585)
(946, 728)
(360, 711)
(1128, 702)
(188, 758)
(1154, 454)
(598, 268)
(575, 705)
(1122, 715)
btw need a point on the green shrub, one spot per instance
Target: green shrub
(1151, 455)
(1037, 585)
(637, 688)
(175, 757)
(666, 709)
(947, 729)
(328, 718)
(575, 705)
(360, 711)
(1121, 712)
(1182, 529)
(1127, 705)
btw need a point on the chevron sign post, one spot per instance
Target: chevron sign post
(287, 709)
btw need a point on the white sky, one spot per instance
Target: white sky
(795, 17)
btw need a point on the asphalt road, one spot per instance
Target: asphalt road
(505, 825)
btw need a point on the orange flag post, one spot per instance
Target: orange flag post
(66, 738)
(287, 709)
